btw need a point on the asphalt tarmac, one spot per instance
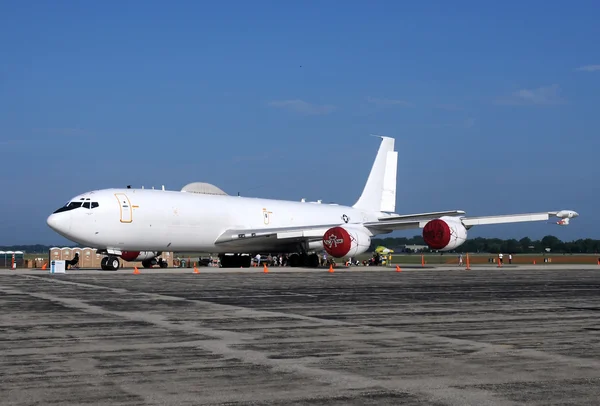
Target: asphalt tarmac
(510, 336)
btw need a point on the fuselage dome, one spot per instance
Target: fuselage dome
(203, 188)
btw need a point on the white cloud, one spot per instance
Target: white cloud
(388, 102)
(545, 95)
(589, 68)
(302, 107)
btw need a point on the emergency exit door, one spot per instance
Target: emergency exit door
(126, 212)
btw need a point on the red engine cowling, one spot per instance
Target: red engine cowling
(131, 256)
(445, 233)
(345, 241)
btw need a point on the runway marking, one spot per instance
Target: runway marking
(437, 389)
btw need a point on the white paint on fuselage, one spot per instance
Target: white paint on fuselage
(186, 222)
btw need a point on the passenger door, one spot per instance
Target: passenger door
(126, 211)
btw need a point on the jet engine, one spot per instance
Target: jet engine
(131, 256)
(445, 233)
(346, 241)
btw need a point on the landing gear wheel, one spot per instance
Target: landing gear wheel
(110, 263)
(294, 260)
(313, 260)
(235, 261)
(246, 261)
(148, 263)
(113, 264)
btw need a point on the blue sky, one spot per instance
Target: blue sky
(494, 106)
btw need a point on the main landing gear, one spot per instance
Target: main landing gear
(110, 263)
(245, 261)
(304, 260)
(235, 261)
(149, 263)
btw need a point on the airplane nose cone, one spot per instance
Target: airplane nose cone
(60, 222)
(52, 221)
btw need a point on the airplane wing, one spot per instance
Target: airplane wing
(468, 222)
(279, 238)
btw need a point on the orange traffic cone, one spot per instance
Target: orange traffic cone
(196, 270)
(135, 270)
(398, 268)
(468, 263)
(44, 267)
(265, 269)
(330, 268)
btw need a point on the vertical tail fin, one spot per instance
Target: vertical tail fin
(379, 193)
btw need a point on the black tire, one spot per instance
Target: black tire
(246, 261)
(113, 264)
(294, 260)
(225, 261)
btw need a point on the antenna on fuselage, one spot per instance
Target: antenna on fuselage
(163, 187)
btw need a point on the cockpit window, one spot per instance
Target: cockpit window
(77, 204)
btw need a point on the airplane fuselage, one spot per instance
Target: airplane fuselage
(159, 220)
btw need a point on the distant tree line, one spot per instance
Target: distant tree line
(497, 245)
(485, 245)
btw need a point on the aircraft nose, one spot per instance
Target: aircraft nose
(59, 222)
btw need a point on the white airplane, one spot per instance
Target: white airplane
(140, 224)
